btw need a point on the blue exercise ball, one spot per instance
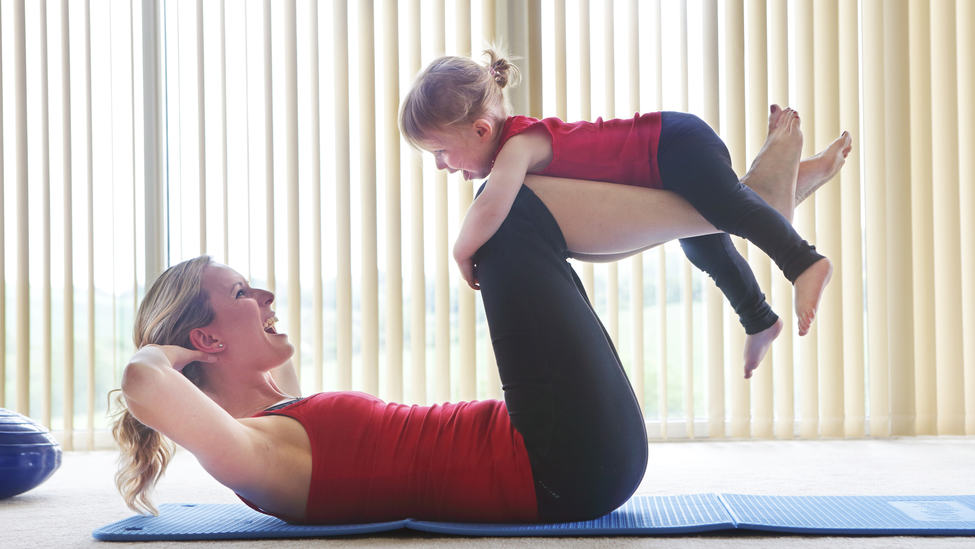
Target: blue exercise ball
(29, 455)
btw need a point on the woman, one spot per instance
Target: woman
(568, 443)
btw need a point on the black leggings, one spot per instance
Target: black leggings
(695, 164)
(564, 384)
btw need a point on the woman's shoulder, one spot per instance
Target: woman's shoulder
(327, 399)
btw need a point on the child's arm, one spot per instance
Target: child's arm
(521, 154)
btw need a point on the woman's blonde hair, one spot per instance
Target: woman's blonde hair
(173, 306)
(453, 90)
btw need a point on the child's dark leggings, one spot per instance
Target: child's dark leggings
(564, 385)
(695, 164)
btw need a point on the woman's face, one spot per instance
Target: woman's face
(243, 321)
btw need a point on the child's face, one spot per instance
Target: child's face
(468, 148)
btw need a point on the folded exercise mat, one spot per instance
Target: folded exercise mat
(867, 515)
(642, 515)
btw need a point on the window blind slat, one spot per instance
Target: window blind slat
(489, 25)
(852, 255)
(757, 52)
(369, 296)
(201, 126)
(636, 262)
(964, 21)
(661, 339)
(22, 285)
(391, 161)
(67, 437)
(733, 133)
(418, 302)
(898, 238)
(223, 130)
(268, 112)
(289, 19)
(829, 231)
(873, 116)
(782, 362)
(662, 350)
(465, 196)
(947, 221)
(805, 220)
(611, 317)
(585, 112)
(314, 136)
(343, 196)
(46, 387)
(89, 205)
(922, 217)
(714, 306)
(442, 386)
(3, 253)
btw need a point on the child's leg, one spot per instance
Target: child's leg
(695, 164)
(715, 255)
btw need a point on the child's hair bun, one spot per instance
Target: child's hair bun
(503, 72)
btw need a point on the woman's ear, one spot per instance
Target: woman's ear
(205, 342)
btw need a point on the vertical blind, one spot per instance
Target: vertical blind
(139, 134)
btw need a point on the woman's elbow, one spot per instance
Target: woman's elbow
(136, 379)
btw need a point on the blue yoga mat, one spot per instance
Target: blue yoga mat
(870, 515)
(642, 515)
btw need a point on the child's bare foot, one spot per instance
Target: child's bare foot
(817, 170)
(774, 172)
(756, 345)
(809, 289)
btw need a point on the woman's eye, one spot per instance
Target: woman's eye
(240, 294)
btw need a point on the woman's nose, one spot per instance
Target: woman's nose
(268, 297)
(441, 165)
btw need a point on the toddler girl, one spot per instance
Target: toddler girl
(456, 110)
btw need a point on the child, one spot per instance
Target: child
(457, 111)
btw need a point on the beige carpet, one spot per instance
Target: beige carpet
(80, 496)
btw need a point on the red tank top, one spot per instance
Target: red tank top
(616, 151)
(376, 462)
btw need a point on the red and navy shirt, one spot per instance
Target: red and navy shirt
(377, 462)
(616, 151)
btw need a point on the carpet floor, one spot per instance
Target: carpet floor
(81, 496)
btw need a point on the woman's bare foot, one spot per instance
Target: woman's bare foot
(817, 170)
(775, 170)
(809, 289)
(756, 345)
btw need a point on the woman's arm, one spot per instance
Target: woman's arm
(162, 398)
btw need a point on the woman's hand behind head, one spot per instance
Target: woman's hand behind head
(178, 357)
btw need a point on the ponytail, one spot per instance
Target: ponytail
(503, 72)
(144, 455)
(173, 306)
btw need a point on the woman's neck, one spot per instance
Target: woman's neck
(242, 395)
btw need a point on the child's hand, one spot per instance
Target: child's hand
(467, 271)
